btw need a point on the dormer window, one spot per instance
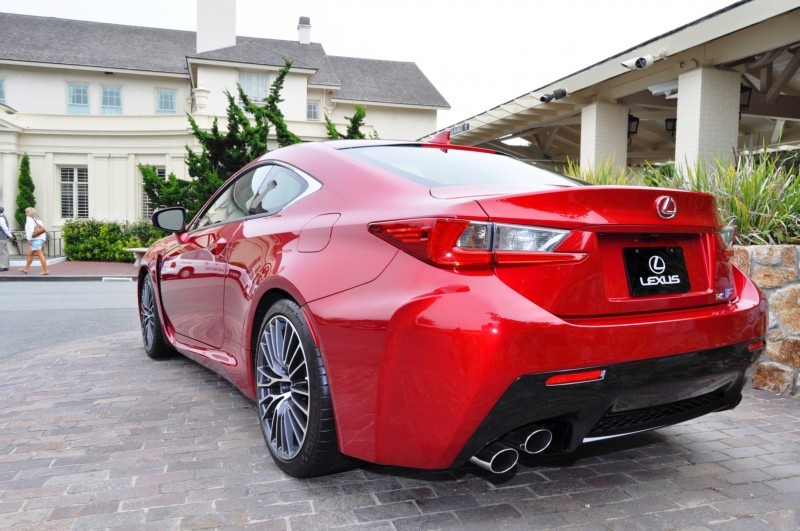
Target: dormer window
(255, 85)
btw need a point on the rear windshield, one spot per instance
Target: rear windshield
(434, 167)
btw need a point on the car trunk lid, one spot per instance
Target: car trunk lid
(642, 249)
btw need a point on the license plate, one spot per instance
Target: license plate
(656, 270)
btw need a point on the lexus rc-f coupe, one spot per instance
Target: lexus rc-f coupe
(426, 305)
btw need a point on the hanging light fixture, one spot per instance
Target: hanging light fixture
(745, 93)
(633, 126)
(671, 124)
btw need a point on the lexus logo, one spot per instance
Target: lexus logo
(666, 207)
(657, 264)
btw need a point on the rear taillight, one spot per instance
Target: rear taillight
(469, 244)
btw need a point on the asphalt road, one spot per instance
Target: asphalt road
(40, 314)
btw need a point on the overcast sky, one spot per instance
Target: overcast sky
(478, 54)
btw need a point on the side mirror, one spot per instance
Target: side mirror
(171, 219)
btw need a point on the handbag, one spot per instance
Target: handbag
(38, 230)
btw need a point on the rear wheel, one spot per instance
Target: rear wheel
(294, 402)
(152, 334)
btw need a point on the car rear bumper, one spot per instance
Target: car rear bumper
(420, 362)
(632, 397)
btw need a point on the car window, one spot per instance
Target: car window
(235, 201)
(452, 167)
(277, 190)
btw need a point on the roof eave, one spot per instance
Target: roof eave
(390, 104)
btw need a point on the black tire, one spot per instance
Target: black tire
(293, 398)
(155, 345)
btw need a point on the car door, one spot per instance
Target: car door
(256, 251)
(193, 272)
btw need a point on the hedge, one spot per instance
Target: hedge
(106, 241)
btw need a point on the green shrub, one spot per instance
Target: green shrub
(106, 241)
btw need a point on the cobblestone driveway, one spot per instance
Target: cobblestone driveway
(93, 434)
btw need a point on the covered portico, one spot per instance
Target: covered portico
(697, 94)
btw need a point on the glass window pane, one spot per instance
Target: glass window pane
(255, 85)
(83, 193)
(74, 188)
(166, 101)
(78, 98)
(2, 90)
(232, 203)
(67, 203)
(312, 110)
(147, 206)
(111, 100)
(280, 188)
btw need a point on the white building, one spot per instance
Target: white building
(89, 102)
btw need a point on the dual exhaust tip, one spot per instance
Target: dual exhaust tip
(501, 456)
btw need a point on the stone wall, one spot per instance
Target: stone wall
(774, 269)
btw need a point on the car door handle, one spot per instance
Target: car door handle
(218, 246)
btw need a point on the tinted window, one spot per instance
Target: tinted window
(262, 190)
(435, 167)
(234, 202)
(280, 187)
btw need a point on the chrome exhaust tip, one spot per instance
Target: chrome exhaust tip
(530, 440)
(496, 458)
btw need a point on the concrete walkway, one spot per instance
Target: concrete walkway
(62, 270)
(93, 435)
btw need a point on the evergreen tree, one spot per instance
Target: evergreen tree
(270, 112)
(222, 154)
(333, 134)
(25, 198)
(354, 127)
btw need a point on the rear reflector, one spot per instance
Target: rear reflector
(755, 345)
(576, 377)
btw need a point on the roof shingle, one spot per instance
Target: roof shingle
(80, 43)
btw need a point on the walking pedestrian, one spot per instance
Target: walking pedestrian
(5, 236)
(37, 242)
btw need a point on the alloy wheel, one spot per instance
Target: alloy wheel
(148, 308)
(282, 387)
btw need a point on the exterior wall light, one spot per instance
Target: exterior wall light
(633, 126)
(671, 124)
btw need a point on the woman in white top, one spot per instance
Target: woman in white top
(37, 242)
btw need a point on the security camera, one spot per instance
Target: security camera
(639, 63)
(645, 61)
(557, 94)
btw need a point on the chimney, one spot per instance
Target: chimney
(216, 24)
(304, 30)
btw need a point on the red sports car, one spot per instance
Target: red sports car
(426, 304)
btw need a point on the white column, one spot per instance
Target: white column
(708, 118)
(604, 135)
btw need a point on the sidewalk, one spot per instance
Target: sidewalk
(63, 270)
